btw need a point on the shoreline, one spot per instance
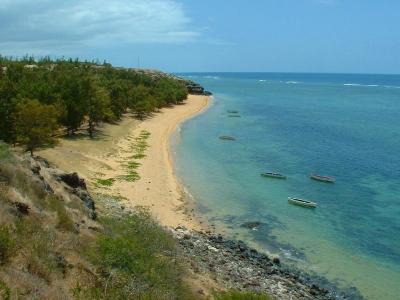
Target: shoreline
(211, 258)
(105, 157)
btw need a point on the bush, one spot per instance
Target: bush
(5, 154)
(137, 259)
(105, 182)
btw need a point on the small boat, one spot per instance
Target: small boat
(227, 138)
(233, 111)
(301, 202)
(234, 116)
(273, 175)
(322, 178)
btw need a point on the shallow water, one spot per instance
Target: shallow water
(345, 126)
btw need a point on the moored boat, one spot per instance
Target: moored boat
(322, 178)
(302, 202)
(227, 137)
(233, 111)
(273, 175)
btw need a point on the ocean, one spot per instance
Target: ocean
(342, 125)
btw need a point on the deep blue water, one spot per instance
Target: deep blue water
(345, 126)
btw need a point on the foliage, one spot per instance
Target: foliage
(5, 292)
(81, 92)
(137, 260)
(64, 221)
(35, 123)
(238, 295)
(5, 154)
(105, 182)
(138, 147)
(7, 244)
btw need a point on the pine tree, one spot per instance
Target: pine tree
(35, 124)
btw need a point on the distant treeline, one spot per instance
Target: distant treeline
(37, 97)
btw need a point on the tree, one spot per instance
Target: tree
(35, 123)
(98, 101)
(7, 107)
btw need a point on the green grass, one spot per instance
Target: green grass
(138, 156)
(64, 221)
(136, 259)
(133, 165)
(131, 177)
(138, 148)
(5, 154)
(238, 295)
(5, 292)
(105, 182)
(36, 244)
(7, 244)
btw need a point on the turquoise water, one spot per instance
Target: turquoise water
(346, 126)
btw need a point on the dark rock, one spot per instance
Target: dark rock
(276, 260)
(22, 208)
(87, 201)
(43, 161)
(73, 180)
(36, 169)
(251, 225)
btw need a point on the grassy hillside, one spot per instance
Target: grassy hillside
(50, 247)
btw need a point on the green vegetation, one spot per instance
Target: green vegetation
(105, 182)
(35, 123)
(138, 148)
(238, 295)
(39, 96)
(6, 244)
(4, 291)
(5, 154)
(137, 260)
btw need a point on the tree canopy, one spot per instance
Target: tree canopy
(35, 123)
(71, 94)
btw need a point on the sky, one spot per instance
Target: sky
(329, 36)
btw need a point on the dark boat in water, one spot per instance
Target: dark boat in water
(302, 202)
(322, 178)
(233, 111)
(227, 138)
(273, 175)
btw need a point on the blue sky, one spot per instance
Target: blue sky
(351, 36)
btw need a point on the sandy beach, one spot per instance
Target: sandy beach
(106, 159)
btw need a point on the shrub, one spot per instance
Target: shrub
(105, 182)
(137, 260)
(5, 154)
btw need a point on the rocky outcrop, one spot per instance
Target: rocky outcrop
(235, 265)
(65, 185)
(196, 89)
(73, 180)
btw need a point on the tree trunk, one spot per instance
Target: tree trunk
(90, 129)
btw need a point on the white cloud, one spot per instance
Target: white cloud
(40, 26)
